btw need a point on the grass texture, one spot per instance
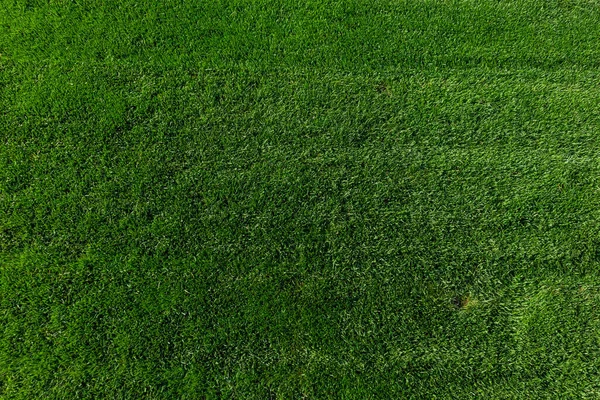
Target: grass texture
(320, 199)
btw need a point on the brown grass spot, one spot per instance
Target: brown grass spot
(464, 302)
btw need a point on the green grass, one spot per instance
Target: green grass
(253, 199)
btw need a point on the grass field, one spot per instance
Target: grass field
(254, 199)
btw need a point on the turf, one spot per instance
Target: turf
(284, 199)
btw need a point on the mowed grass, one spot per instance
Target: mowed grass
(256, 199)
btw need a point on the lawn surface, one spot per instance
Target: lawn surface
(254, 199)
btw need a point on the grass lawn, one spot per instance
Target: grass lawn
(256, 199)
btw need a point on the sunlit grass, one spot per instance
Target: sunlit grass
(282, 199)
